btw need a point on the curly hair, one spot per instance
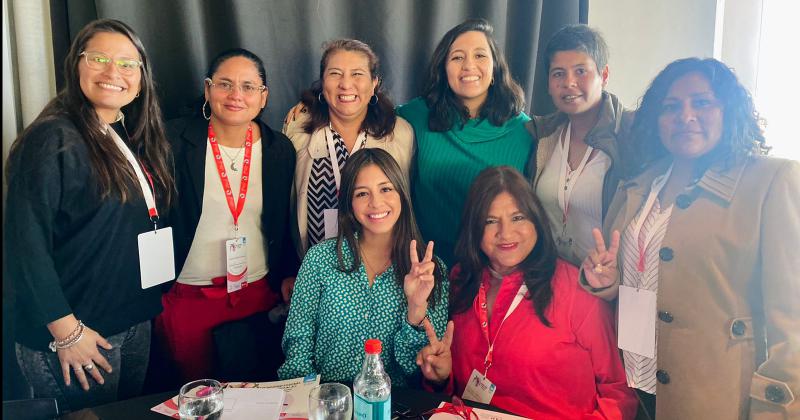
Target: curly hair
(741, 132)
(504, 100)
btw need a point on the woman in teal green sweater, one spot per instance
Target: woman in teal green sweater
(468, 118)
(372, 281)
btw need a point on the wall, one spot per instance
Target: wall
(644, 36)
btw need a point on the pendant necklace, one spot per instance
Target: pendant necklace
(232, 159)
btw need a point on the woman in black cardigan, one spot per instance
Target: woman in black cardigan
(232, 257)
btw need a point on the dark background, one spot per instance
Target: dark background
(182, 36)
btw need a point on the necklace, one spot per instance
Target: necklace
(232, 159)
(369, 266)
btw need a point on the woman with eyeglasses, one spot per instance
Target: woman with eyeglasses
(231, 219)
(345, 110)
(86, 180)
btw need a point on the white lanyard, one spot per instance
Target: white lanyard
(337, 174)
(565, 186)
(149, 199)
(655, 189)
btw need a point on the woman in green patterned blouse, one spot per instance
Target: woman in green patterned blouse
(367, 283)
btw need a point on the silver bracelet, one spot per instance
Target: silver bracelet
(72, 339)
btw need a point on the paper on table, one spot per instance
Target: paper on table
(253, 403)
(295, 403)
(482, 414)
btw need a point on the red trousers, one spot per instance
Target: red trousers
(191, 312)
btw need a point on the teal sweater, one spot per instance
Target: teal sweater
(446, 163)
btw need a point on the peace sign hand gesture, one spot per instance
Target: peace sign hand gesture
(600, 266)
(435, 360)
(418, 283)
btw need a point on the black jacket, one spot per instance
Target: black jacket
(189, 139)
(68, 249)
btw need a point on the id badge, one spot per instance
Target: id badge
(479, 388)
(331, 217)
(236, 262)
(637, 321)
(156, 258)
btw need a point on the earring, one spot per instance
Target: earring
(373, 97)
(137, 94)
(207, 117)
(492, 82)
(320, 98)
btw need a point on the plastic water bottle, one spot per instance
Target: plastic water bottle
(372, 387)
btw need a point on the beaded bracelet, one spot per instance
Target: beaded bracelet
(70, 340)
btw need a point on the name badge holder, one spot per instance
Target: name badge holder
(156, 255)
(479, 388)
(236, 247)
(566, 182)
(330, 217)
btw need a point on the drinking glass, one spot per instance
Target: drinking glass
(201, 400)
(331, 401)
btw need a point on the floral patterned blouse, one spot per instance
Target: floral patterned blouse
(333, 313)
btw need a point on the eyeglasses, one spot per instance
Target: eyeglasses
(100, 61)
(247, 89)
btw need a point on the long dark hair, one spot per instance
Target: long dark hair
(143, 122)
(380, 118)
(537, 268)
(405, 230)
(504, 100)
(741, 133)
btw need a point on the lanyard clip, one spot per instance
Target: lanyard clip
(154, 219)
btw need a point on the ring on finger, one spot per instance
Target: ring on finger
(88, 367)
(598, 268)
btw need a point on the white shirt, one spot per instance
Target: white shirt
(585, 205)
(206, 258)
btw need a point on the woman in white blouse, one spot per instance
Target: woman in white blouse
(578, 161)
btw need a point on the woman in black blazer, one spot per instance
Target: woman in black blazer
(231, 222)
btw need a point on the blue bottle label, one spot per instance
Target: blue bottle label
(372, 410)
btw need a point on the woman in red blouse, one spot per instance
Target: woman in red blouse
(524, 336)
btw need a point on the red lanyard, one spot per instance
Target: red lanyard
(483, 317)
(236, 208)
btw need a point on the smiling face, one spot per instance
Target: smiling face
(508, 235)
(574, 83)
(376, 202)
(690, 124)
(107, 89)
(470, 67)
(235, 107)
(348, 85)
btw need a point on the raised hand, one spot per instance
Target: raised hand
(418, 283)
(600, 266)
(435, 360)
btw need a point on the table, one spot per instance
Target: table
(139, 408)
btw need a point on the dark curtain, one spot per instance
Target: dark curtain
(182, 36)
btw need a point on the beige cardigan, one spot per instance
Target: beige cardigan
(399, 144)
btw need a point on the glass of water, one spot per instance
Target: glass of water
(201, 400)
(331, 401)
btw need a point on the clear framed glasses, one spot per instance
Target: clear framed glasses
(247, 89)
(99, 61)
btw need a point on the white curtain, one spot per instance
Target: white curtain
(28, 70)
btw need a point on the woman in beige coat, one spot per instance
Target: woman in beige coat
(344, 110)
(704, 256)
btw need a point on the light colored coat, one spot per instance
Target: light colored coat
(729, 277)
(399, 144)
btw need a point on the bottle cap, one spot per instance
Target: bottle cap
(373, 346)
